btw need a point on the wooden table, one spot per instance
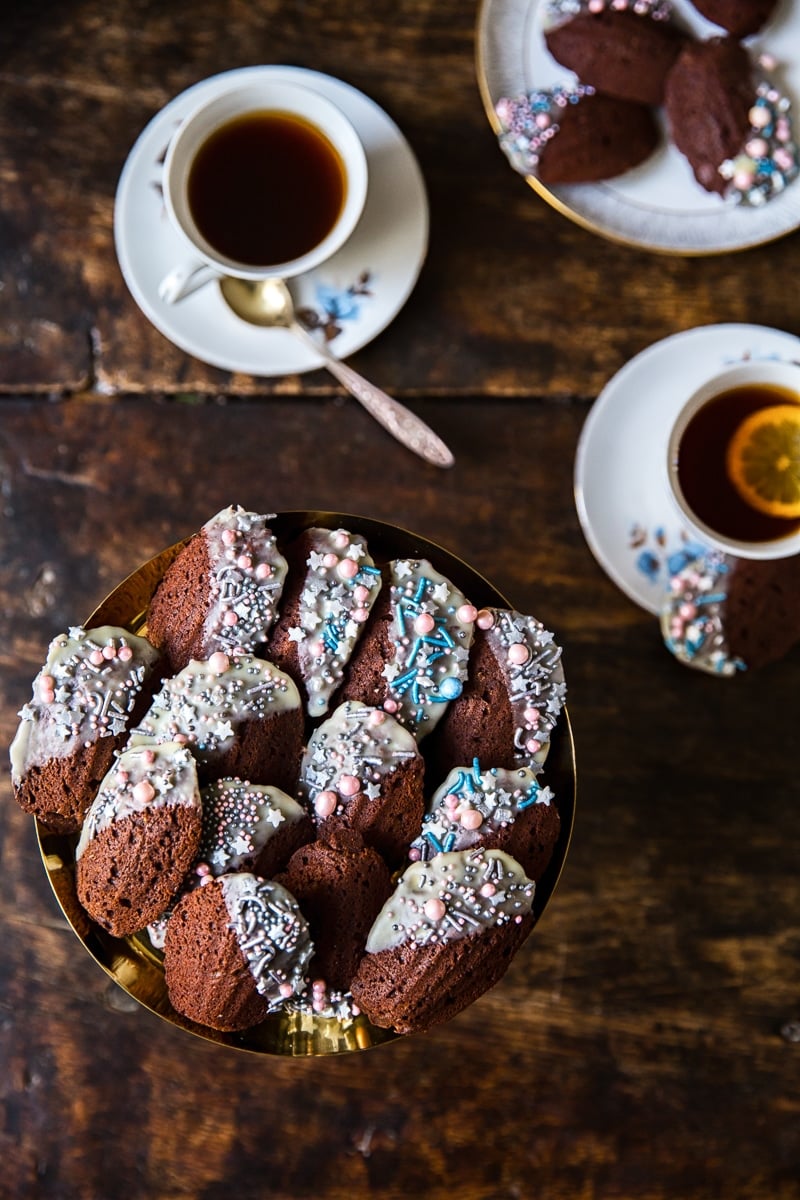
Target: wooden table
(646, 1041)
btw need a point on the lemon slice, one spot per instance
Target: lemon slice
(763, 460)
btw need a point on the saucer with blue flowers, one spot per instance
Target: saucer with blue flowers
(627, 515)
(349, 300)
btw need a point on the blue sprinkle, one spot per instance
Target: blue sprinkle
(434, 841)
(531, 798)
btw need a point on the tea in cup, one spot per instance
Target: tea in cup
(733, 461)
(267, 179)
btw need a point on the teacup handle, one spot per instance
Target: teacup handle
(184, 279)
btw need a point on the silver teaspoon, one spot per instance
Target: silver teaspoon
(268, 302)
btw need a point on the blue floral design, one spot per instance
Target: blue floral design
(336, 305)
(655, 560)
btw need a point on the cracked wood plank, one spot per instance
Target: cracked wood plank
(514, 299)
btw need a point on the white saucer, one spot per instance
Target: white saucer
(620, 478)
(356, 293)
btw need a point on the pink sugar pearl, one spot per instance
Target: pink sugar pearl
(125, 653)
(759, 116)
(757, 147)
(424, 623)
(347, 568)
(325, 804)
(485, 619)
(390, 705)
(488, 890)
(518, 654)
(109, 652)
(434, 909)
(230, 618)
(360, 615)
(348, 785)
(467, 613)
(533, 746)
(286, 990)
(228, 537)
(263, 571)
(361, 594)
(218, 663)
(143, 792)
(471, 819)
(96, 658)
(376, 717)
(783, 159)
(330, 560)
(244, 561)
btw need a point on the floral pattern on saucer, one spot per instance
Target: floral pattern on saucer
(352, 299)
(657, 556)
(634, 531)
(336, 305)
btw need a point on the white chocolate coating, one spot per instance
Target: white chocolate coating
(340, 589)
(352, 752)
(247, 577)
(452, 896)
(203, 705)
(531, 664)
(142, 777)
(86, 690)
(471, 803)
(432, 630)
(272, 935)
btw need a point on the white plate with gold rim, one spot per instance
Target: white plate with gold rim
(658, 205)
(354, 295)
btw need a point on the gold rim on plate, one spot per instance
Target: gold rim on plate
(131, 961)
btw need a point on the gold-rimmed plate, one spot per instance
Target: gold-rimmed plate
(132, 962)
(657, 206)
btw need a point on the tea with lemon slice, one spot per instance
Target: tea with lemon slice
(738, 463)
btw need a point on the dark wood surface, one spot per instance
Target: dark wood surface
(646, 1042)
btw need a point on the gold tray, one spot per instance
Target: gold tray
(131, 962)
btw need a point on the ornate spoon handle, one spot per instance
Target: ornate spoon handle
(399, 420)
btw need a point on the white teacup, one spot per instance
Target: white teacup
(275, 113)
(710, 508)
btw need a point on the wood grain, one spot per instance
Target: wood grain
(634, 1049)
(514, 299)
